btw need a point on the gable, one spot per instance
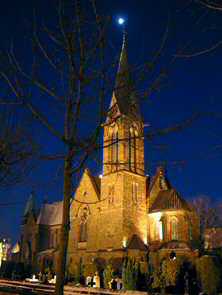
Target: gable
(157, 184)
(89, 188)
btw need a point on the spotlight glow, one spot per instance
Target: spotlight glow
(121, 20)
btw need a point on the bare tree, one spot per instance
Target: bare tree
(15, 147)
(214, 5)
(206, 215)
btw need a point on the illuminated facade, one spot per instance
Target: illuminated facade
(125, 212)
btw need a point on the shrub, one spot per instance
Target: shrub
(131, 274)
(209, 274)
(171, 270)
(167, 274)
(90, 269)
(108, 274)
(74, 272)
(159, 279)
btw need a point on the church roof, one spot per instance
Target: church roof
(169, 199)
(137, 244)
(50, 214)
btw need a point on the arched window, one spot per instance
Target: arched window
(135, 192)
(161, 229)
(83, 225)
(174, 229)
(56, 238)
(111, 195)
(115, 149)
(189, 231)
(51, 239)
(132, 150)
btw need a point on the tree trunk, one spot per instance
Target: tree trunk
(64, 232)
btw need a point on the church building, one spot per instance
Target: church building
(125, 212)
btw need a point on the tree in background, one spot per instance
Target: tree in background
(15, 147)
(206, 214)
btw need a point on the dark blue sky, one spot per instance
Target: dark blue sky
(192, 85)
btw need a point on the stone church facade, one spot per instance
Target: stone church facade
(123, 212)
(119, 214)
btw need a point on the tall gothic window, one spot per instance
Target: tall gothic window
(135, 192)
(56, 237)
(189, 231)
(115, 149)
(161, 229)
(174, 230)
(132, 150)
(111, 194)
(83, 225)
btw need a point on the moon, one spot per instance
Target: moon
(121, 20)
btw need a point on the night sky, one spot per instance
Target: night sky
(193, 84)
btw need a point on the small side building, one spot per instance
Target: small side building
(40, 235)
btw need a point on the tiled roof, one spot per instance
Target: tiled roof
(137, 244)
(169, 199)
(50, 214)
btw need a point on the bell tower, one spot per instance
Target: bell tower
(123, 131)
(123, 185)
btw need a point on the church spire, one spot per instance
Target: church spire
(122, 86)
(122, 77)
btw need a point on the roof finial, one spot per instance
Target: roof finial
(122, 23)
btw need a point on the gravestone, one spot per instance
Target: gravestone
(114, 284)
(96, 281)
(119, 284)
(89, 282)
(40, 276)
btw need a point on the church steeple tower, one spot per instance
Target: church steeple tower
(123, 133)
(122, 93)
